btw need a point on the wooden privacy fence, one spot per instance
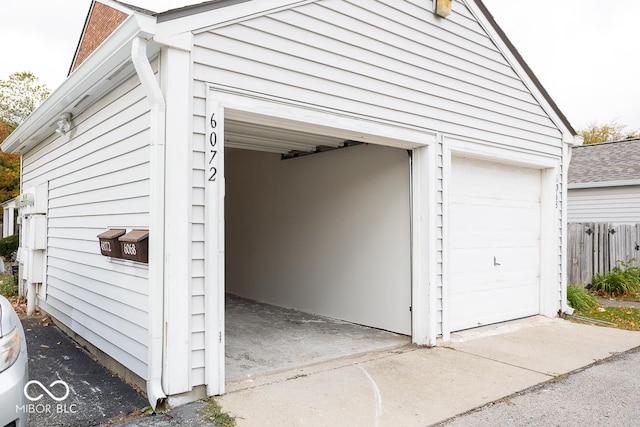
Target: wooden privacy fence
(596, 247)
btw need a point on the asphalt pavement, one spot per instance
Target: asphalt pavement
(96, 397)
(93, 394)
(604, 394)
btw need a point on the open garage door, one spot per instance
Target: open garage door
(325, 233)
(494, 224)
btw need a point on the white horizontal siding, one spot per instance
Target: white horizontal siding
(389, 60)
(99, 178)
(618, 205)
(381, 59)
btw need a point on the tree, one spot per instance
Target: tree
(607, 132)
(20, 94)
(9, 176)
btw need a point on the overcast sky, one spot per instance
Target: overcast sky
(585, 52)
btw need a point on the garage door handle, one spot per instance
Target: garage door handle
(495, 261)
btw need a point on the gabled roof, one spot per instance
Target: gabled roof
(103, 18)
(101, 21)
(205, 6)
(216, 4)
(111, 54)
(607, 162)
(525, 66)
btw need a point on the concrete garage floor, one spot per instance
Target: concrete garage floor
(264, 338)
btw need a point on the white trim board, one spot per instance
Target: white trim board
(258, 109)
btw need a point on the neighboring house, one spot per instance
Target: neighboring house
(604, 183)
(603, 208)
(368, 161)
(9, 226)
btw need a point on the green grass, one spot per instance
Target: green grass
(623, 317)
(579, 298)
(621, 283)
(213, 412)
(8, 287)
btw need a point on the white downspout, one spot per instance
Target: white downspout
(155, 392)
(566, 160)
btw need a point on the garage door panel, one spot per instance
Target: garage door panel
(489, 239)
(478, 260)
(489, 282)
(497, 288)
(494, 242)
(495, 217)
(493, 184)
(480, 306)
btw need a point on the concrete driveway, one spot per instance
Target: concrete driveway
(415, 386)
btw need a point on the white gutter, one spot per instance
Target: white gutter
(92, 77)
(570, 142)
(600, 184)
(155, 392)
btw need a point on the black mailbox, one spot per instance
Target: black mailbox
(109, 245)
(135, 245)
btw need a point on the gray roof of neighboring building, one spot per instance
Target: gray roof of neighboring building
(606, 161)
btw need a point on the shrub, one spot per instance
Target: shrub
(623, 279)
(579, 298)
(8, 246)
(8, 286)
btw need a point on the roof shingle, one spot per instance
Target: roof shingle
(606, 161)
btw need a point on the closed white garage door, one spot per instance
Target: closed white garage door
(494, 222)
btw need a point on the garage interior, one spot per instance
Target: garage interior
(318, 248)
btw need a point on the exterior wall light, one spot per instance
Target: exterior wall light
(443, 7)
(63, 125)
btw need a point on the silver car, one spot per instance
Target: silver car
(14, 372)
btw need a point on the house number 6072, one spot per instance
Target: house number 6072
(213, 149)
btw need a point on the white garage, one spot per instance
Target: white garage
(495, 220)
(374, 162)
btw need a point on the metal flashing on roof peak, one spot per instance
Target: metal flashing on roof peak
(196, 8)
(134, 8)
